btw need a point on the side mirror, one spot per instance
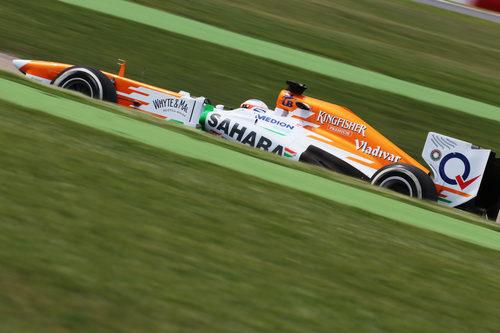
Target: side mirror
(302, 106)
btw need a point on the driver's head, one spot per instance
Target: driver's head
(253, 103)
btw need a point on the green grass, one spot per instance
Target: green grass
(103, 234)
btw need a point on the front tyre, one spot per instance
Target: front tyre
(406, 179)
(88, 81)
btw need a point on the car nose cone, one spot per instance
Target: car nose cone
(19, 63)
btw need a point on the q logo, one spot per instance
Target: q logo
(461, 180)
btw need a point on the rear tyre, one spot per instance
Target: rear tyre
(88, 81)
(406, 179)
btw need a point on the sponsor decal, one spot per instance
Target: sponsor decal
(274, 121)
(287, 101)
(241, 134)
(460, 180)
(171, 103)
(376, 152)
(340, 131)
(435, 154)
(324, 117)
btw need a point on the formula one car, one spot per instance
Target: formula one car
(309, 130)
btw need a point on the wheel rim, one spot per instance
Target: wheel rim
(397, 184)
(79, 85)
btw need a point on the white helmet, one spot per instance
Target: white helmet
(253, 103)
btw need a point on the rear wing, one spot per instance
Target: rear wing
(466, 176)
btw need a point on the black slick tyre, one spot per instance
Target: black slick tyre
(88, 81)
(406, 179)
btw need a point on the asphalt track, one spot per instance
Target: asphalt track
(313, 63)
(161, 138)
(6, 63)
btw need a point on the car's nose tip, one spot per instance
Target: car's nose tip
(19, 63)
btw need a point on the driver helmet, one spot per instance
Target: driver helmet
(253, 103)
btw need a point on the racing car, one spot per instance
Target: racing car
(305, 129)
